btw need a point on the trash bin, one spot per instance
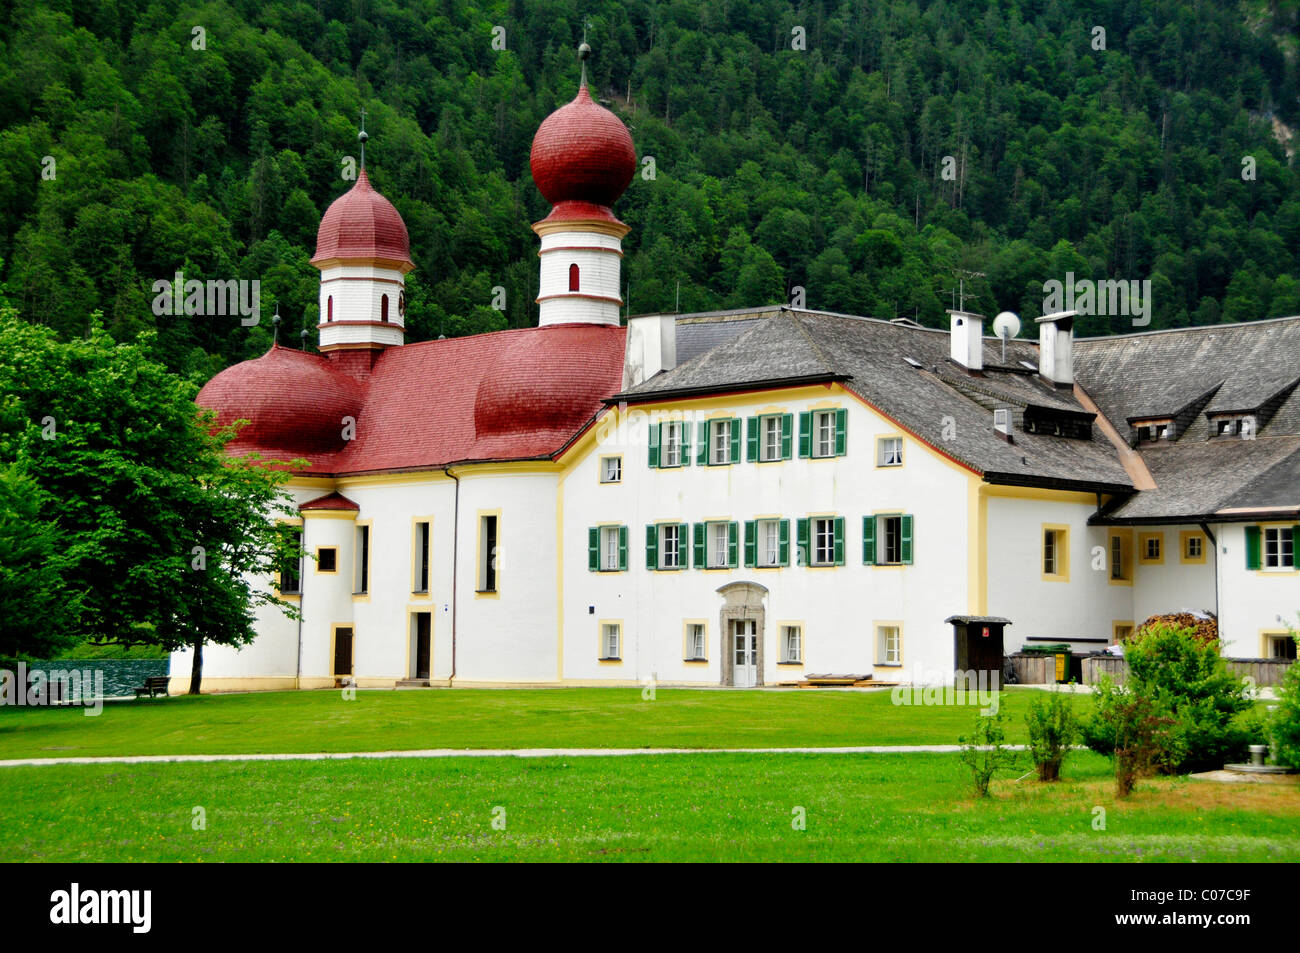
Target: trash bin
(1060, 650)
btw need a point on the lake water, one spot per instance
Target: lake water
(121, 676)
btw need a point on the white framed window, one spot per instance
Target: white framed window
(769, 542)
(791, 644)
(769, 447)
(720, 441)
(1279, 548)
(671, 451)
(670, 546)
(889, 645)
(1056, 565)
(609, 548)
(1195, 548)
(891, 540)
(824, 433)
(823, 541)
(889, 452)
(694, 641)
(718, 536)
(611, 470)
(1281, 646)
(611, 641)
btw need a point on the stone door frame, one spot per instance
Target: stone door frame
(741, 601)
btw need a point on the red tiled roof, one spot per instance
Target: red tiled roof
(361, 223)
(295, 403)
(508, 395)
(333, 501)
(582, 152)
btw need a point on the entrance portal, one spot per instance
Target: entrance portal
(742, 627)
(744, 641)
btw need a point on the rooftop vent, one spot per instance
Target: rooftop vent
(915, 363)
(1002, 423)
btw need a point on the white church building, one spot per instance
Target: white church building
(746, 497)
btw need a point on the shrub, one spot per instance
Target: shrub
(984, 752)
(1285, 723)
(1053, 728)
(1142, 736)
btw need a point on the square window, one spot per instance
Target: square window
(694, 641)
(611, 637)
(770, 436)
(720, 442)
(791, 644)
(327, 559)
(889, 452)
(1279, 552)
(889, 645)
(1282, 646)
(670, 546)
(824, 433)
(611, 470)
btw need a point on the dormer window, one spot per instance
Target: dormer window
(1242, 426)
(1155, 431)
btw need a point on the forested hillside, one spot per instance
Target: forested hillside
(774, 167)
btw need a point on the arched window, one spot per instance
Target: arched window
(383, 308)
(573, 277)
(329, 308)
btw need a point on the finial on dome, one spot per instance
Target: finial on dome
(362, 137)
(275, 327)
(584, 51)
(303, 334)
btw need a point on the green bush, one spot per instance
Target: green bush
(984, 753)
(1053, 728)
(1285, 723)
(1210, 715)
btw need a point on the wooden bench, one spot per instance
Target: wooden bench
(153, 685)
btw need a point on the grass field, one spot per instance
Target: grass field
(513, 718)
(914, 807)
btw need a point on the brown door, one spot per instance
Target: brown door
(343, 651)
(422, 644)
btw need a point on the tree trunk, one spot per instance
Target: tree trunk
(196, 671)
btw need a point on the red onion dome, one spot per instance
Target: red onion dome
(582, 153)
(361, 223)
(295, 404)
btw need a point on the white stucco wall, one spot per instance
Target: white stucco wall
(1251, 602)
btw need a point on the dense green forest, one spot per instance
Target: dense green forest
(215, 151)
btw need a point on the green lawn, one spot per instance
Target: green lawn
(893, 807)
(481, 718)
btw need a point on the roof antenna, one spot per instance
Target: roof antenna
(584, 51)
(275, 327)
(363, 138)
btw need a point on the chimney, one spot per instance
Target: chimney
(651, 347)
(1056, 347)
(966, 342)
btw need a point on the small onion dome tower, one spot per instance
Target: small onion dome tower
(582, 161)
(363, 253)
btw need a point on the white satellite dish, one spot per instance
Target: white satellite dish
(1006, 326)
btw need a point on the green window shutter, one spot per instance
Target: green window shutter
(652, 547)
(622, 549)
(1252, 548)
(735, 440)
(905, 538)
(787, 435)
(701, 550)
(751, 439)
(841, 431)
(783, 542)
(869, 540)
(805, 434)
(655, 434)
(704, 443)
(686, 445)
(1295, 545)
(733, 540)
(593, 548)
(751, 543)
(804, 551)
(839, 540)
(683, 531)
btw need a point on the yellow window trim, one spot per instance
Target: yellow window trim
(892, 466)
(686, 657)
(875, 635)
(1265, 635)
(1062, 552)
(1143, 558)
(411, 613)
(1186, 535)
(370, 570)
(1125, 536)
(416, 594)
(803, 642)
(478, 553)
(1121, 624)
(326, 572)
(600, 641)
